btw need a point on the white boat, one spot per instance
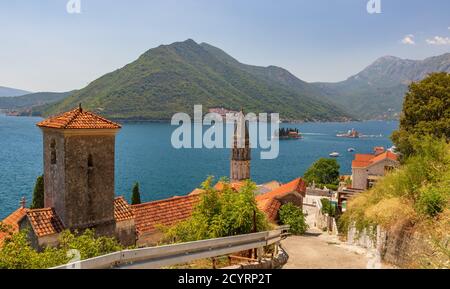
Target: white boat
(335, 155)
(351, 150)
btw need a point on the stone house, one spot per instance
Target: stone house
(367, 169)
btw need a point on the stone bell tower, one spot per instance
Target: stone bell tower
(241, 151)
(79, 169)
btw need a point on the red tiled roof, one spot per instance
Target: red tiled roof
(78, 119)
(12, 222)
(165, 212)
(269, 203)
(297, 185)
(364, 160)
(270, 207)
(122, 210)
(235, 185)
(45, 222)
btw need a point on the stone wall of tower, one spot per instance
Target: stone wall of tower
(80, 184)
(240, 170)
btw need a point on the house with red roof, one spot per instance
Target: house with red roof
(367, 169)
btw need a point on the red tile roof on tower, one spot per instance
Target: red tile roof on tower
(122, 210)
(78, 119)
(165, 212)
(45, 222)
(366, 160)
(12, 222)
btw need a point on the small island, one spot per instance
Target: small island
(288, 133)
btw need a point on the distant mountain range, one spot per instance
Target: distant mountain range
(28, 101)
(378, 91)
(173, 78)
(7, 91)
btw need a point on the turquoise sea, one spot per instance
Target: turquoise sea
(144, 153)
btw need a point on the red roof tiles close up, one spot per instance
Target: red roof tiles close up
(166, 212)
(45, 222)
(12, 222)
(122, 210)
(366, 160)
(78, 119)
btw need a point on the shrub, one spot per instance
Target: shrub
(431, 201)
(293, 216)
(328, 207)
(17, 253)
(220, 214)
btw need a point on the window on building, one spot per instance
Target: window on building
(388, 169)
(90, 161)
(53, 152)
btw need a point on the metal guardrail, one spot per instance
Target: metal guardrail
(157, 257)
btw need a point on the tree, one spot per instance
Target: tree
(220, 214)
(38, 194)
(136, 196)
(324, 172)
(426, 111)
(293, 216)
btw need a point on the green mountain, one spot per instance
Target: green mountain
(378, 91)
(173, 78)
(7, 91)
(31, 100)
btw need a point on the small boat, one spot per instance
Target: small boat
(351, 150)
(335, 155)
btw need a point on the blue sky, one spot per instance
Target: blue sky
(44, 48)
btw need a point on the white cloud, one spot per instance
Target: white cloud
(439, 40)
(408, 40)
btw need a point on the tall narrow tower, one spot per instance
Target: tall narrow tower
(79, 169)
(241, 151)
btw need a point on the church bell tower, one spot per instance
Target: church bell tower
(241, 151)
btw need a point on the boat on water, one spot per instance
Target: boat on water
(350, 134)
(351, 150)
(335, 155)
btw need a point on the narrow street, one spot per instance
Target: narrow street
(319, 250)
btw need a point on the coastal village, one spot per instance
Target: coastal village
(79, 148)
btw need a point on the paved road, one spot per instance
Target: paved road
(319, 250)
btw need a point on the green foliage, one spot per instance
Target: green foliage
(38, 194)
(328, 207)
(17, 253)
(426, 111)
(293, 216)
(324, 172)
(432, 201)
(173, 78)
(136, 196)
(220, 214)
